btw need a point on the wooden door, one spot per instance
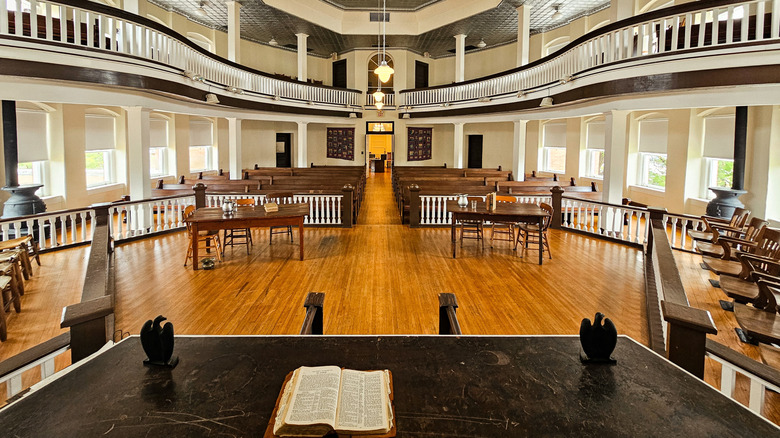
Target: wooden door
(475, 152)
(283, 149)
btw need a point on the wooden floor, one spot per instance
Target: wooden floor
(378, 278)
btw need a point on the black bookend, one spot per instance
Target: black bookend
(158, 343)
(598, 340)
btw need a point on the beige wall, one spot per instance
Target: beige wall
(497, 141)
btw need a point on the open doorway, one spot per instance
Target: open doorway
(379, 144)
(475, 152)
(283, 149)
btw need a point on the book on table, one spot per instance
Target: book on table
(316, 401)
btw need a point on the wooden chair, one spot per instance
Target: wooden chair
(738, 220)
(280, 198)
(727, 238)
(766, 245)
(472, 228)
(238, 236)
(761, 322)
(743, 289)
(503, 228)
(10, 266)
(210, 241)
(10, 293)
(531, 233)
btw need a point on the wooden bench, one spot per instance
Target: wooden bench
(761, 321)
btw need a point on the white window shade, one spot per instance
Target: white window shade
(100, 132)
(595, 135)
(201, 133)
(719, 137)
(31, 136)
(555, 135)
(158, 133)
(653, 136)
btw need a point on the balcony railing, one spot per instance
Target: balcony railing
(388, 100)
(667, 31)
(97, 27)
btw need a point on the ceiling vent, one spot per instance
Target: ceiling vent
(379, 17)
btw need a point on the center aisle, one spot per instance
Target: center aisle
(379, 203)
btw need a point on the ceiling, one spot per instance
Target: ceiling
(261, 22)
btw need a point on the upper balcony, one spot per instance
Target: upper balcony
(697, 45)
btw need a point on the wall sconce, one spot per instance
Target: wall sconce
(352, 115)
(406, 116)
(547, 101)
(212, 98)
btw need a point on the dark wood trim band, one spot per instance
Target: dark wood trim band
(29, 356)
(758, 369)
(41, 70)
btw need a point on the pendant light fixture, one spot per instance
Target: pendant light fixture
(379, 96)
(384, 71)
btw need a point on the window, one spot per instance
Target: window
(653, 170)
(594, 153)
(373, 80)
(158, 147)
(100, 165)
(201, 146)
(653, 136)
(554, 147)
(32, 128)
(717, 153)
(100, 144)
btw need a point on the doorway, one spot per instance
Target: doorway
(283, 149)
(475, 152)
(340, 74)
(420, 74)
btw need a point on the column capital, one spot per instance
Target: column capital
(233, 3)
(302, 35)
(302, 123)
(458, 123)
(524, 7)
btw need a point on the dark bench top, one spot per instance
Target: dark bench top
(447, 386)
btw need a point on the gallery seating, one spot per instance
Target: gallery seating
(767, 244)
(727, 239)
(737, 221)
(760, 321)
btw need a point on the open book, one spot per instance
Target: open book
(318, 400)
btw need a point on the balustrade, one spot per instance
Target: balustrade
(100, 27)
(665, 31)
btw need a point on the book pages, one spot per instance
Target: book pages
(315, 396)
(362, 406)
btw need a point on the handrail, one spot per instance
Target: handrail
(686, 327)
(123, 33)
(617, 42)
(42, 355)
(91, 321)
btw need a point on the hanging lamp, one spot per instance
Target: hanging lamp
(384, 71)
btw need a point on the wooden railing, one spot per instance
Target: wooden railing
(91, 321)
(388, 100)
(324, 209)
(110, 30)
(672, 30)
(41, 356)
(56, 229)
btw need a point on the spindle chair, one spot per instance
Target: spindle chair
(280, 198)
(531, 233)
(472, 228)
(238, 236)
(209, 241)
(503, 228)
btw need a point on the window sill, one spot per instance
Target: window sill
(158, 177)
(105, 188)
(648, 190)
(52, 199)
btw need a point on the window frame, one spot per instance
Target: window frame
(589, 160)
(710, 176)
(546, 150)
(163, 161)
(644, 172)
(210, 161)
(109, 170)
(39, 170)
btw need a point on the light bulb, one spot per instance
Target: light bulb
(384, 72)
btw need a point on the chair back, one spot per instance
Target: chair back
(187, 212)
(549, 209)
(504, 198)
(768, 243)
(280, 197)
(768, 291)
(755, 228)
(740, 217)
(245, 202)
(475, 198)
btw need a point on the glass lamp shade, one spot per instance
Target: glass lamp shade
(379, 96)
(379, 106)
(384, 72)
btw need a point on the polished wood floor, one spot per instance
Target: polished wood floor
(379, 278)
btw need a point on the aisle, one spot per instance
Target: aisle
(379, 203)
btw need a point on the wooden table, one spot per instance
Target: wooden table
(213, 219)
(504, 212)
(445, 386)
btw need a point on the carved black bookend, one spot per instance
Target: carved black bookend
(598, 340)
(158, 343)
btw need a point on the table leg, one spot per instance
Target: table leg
(194, 239)
(541, 239)
(300, 237)
(453, 236)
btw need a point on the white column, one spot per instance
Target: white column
(458, 151)
(301, 150)
(460, 57)
(139, 177)
(234, 30)
(234, 147)
(621, 9)
(302, 60)
(615, 146)
(523, 34)
(518, 150)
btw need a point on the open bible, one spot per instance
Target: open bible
(316, 401)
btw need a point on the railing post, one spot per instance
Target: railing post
(448, 320)
(656, 213)
(200, 195)
(557, 205)
(686, 336)
(347, 205)
(415, 206)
